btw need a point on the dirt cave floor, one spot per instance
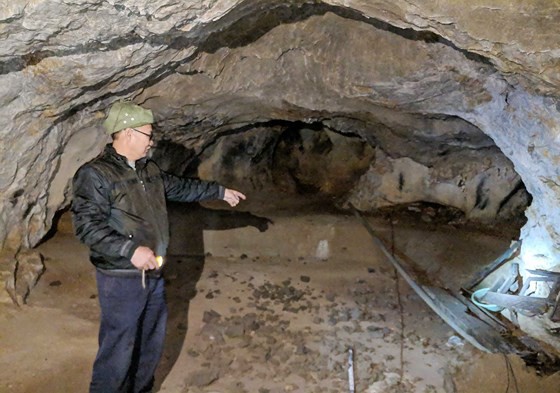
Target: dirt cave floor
(269, 303)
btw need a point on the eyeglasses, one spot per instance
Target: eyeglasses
(151, 136)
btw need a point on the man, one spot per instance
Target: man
(119, 211)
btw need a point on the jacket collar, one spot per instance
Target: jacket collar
(110, 151)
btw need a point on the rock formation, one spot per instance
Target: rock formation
(454, 103)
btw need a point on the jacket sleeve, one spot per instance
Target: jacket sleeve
(184, 189)
(91, 209)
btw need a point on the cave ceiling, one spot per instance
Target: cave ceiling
(416, 78)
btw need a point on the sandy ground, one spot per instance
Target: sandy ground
(253, 309)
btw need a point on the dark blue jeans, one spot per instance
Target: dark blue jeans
(131, 334)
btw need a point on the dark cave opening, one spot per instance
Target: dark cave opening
(316, 166)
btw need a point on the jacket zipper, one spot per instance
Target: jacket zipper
(152, 213)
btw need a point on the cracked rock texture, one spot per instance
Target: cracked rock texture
(376, 103)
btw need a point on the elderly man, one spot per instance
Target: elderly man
(119, 211)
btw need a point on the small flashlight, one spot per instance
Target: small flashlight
(159, 260)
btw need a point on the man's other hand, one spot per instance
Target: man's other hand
(233, 197)
(144, 259)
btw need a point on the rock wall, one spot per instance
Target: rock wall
(448, 75)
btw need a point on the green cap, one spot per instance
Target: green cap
(126, 115)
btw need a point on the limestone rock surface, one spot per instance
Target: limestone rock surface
(415, 80)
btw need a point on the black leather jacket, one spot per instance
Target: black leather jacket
(117, 208)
